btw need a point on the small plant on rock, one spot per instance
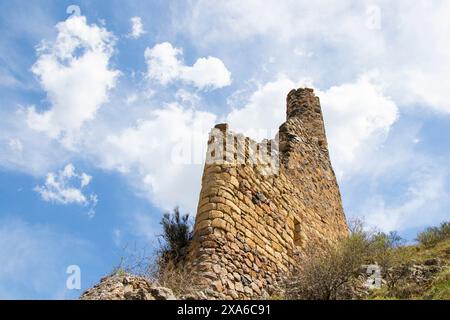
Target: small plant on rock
(177, 234)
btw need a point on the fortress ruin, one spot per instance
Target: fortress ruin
(262, 204)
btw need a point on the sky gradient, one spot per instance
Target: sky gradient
(105, 111)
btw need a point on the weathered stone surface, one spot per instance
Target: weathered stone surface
(265, 202)
(217, 286)
(239, 287)
(161, 293)
(127, 287)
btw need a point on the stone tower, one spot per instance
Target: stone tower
(262, 204)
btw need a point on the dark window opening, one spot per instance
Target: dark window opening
(297, 233)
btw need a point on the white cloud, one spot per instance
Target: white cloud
(207, 72)
(74, 71)
(346, 37)
(165, 66)
(137, 28)
(85, 180)
(285, 22)
(315, 40)
(162, 62)
(187, 98)
(66, 187)
(26, 150)
(266, 107)
(162, 155)
(238, 19)
(424, 203)
(355, 114)
(298, 51)
(15, 145)
(422, 77)
(131, 98)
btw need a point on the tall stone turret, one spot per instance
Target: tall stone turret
(262, 204)
(305, 106)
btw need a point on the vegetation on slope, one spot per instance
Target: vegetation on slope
(437, 286)
(419, 271)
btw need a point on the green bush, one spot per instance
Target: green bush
(440, 288)
(433, 235)
(177, 234)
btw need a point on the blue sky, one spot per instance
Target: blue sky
(104, 116)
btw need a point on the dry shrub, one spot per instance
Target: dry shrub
(326, 274)
(177, 277)
(433, 235)
(166, 265)
(333, 273)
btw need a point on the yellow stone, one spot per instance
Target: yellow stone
(218, 223)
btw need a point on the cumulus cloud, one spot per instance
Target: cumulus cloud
(162, 155)
(186, 97)
(74, 71)
(234, 20)
(266, 107)
(423, 203)
(165, 66)
(422, 77)
(314, 41)
(360, 36)
(355, 114)
(25, 150)
(137, 28)
(15, 145)
(66, 187)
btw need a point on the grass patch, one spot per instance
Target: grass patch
(440, 288)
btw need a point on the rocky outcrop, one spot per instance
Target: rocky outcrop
(420, 274)
(127, 287)
(410, 279)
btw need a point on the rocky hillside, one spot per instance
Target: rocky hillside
(425, 274)
(416, 272)
(127, 287)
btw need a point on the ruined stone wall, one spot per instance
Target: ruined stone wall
(262, 204)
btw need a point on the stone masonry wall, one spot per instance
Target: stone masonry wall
(262, 204)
